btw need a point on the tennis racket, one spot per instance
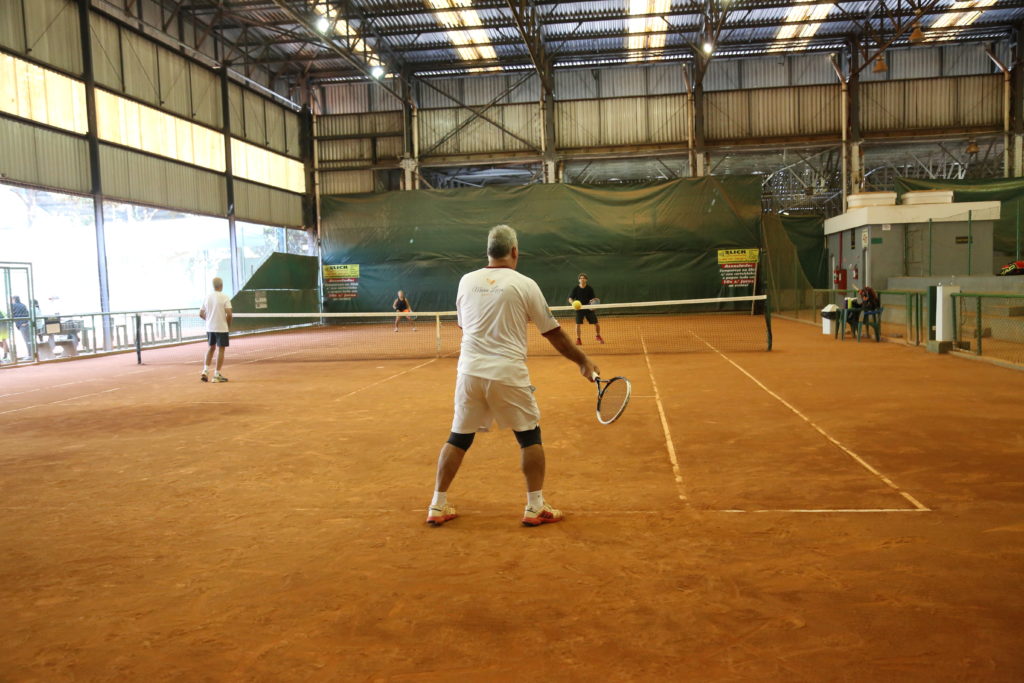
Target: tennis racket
(595, 301)
(612, 398)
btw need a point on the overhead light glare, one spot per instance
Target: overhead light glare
(322, 24)
(377, 71)
(350, 36)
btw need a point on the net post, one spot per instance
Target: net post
(138, 338)
(768, 321)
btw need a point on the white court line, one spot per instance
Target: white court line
(888, 482)
(260, 360)
(63, 400)
(921, 509)
(664, 425)
(403, 372)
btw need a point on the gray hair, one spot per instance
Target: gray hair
(500, 241)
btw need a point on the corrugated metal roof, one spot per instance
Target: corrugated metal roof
(408, 35)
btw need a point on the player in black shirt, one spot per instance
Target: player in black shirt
(403, 309)
(584, 293)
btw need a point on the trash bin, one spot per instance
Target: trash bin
(829, 315)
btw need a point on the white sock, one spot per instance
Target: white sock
(206, 369)
(440, 498)
(535, 499)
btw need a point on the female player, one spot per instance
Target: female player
(403, 310)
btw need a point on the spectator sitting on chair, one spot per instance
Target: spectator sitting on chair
(867, 300)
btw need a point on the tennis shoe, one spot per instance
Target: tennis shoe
(544, 515)
(204, 377)
(599, 340)
(219, 378)
(439, 514)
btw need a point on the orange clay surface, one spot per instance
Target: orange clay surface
(272, 528)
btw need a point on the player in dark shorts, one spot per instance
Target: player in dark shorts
(403, 309)
(584, 293)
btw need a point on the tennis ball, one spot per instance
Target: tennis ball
(577, 305)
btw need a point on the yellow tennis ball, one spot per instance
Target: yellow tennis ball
(577, 305)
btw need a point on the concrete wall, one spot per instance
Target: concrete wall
(895, 251)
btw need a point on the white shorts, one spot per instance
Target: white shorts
(479, 402)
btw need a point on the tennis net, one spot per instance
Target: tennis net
(694, 325)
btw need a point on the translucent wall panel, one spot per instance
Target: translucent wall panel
(140, 178)
(56, 233)
(264, 166)
(41, 95)
(128, 123)
(163, 259)
(46, 29)
(267, 205)
(38, 156)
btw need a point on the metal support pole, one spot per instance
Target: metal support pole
(970, 242)
(96, 184)
(229, 179)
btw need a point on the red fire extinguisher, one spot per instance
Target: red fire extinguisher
(839, 278)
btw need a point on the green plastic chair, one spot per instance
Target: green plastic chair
(872, 319)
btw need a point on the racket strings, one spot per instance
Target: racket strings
(613, 400)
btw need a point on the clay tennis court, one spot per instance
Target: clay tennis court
(824, 511)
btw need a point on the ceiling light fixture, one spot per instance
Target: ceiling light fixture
(323, 24)
(972, 147)
(880, 65)
(708, 48)
(377, 71)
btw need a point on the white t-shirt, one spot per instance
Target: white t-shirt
(494, 305)
(217, 305)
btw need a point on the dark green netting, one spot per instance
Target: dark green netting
(1009, 229)
(637, 243)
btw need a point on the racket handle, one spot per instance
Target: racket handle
(594, 376)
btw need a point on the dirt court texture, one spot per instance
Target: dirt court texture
(826, 511)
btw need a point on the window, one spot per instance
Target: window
(158, 258)
(256, 242)
(56, 233)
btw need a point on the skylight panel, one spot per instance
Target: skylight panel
(348, 33)
(797, 36)
(472, 44)
(645, 17)
(972, 10)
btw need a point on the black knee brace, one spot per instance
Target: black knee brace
(530, 437)
(463, 441)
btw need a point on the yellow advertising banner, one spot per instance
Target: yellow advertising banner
(343, 270)
(735, 255)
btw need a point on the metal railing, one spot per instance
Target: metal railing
(990, 325)
(904, 312)
(35, 339)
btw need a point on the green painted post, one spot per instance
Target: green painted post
(929, 247)
(1018, 231)
(977, 316)
(970, 239)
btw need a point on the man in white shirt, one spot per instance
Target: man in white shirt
(493, 383)
(216, 311)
